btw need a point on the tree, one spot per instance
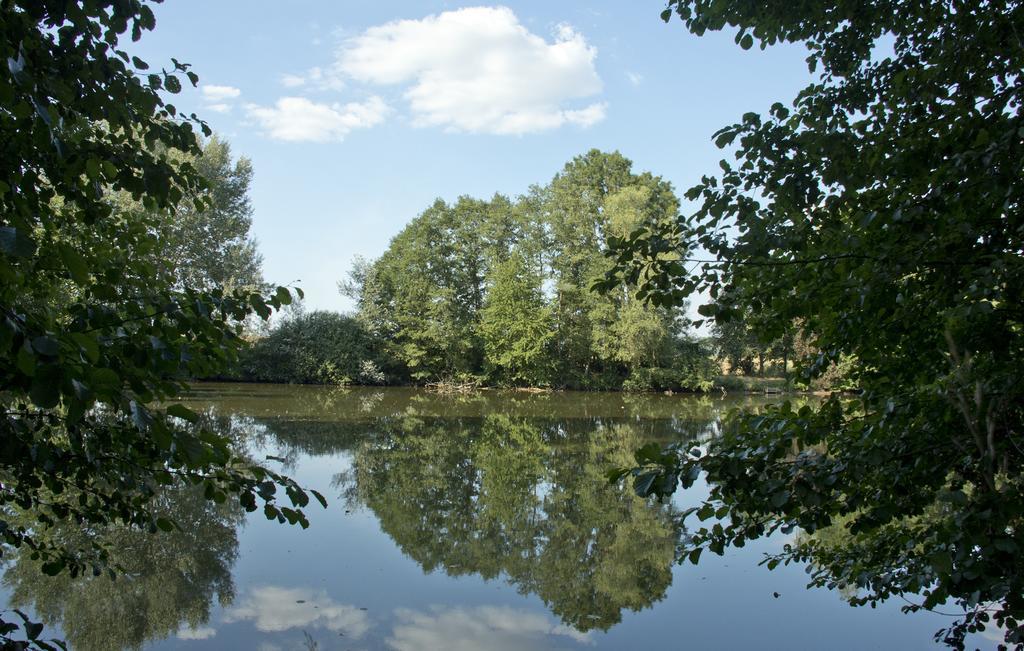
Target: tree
(423, 296)
(576, 213)
(628, 331)
(92, 331)
(212, 247)
(884, 209)
(735, 344)
(516, 325)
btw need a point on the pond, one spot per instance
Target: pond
(464, 522)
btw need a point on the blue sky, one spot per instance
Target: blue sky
(358, 114)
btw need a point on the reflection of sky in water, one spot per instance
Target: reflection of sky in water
(272, 609)
(479, 627)
(275, 609)
(345, 584)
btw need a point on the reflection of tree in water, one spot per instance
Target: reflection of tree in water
(527, 498)
(167, 581)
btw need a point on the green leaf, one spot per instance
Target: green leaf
(705, 512)
(615, 474)
(708, 309)
(942, 562)
(33, 630)
(88, 345)
(283, 296)
(183, 412)
(45, 390)
(46, 345)
(105, 381)
(92, 169)
(172, 84)
(25, 360)
(165, 525)
(319, 498)
(16, 243)
(76, 265)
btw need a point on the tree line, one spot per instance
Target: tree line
(498, 292)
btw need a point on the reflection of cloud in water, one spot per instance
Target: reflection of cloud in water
(481, 627)
(273, 608)
(201, 633)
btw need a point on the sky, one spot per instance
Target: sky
(357, 114)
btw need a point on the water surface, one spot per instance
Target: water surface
(463, 522)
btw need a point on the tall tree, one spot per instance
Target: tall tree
(212, 247)
(884, 209)
(425, 293)
(576, 211)
(516, 325)
(627, 331)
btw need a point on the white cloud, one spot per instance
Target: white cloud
(219, 99)
(274, 609)
(496, 628)
(634, 78)
(219, 107)
(213, 93)
(479, 70)
(293, 81)
(588, 116)
(315, 77)
(297, 119)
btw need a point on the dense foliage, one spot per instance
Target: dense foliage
(211, 247)
(499, 291)
(315, 348)
(92, 330)
(883, 210)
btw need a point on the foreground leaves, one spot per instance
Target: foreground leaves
(882, 212)
(94, 335)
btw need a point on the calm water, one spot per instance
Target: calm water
(480, 522)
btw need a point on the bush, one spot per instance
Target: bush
(692, 369)
(315, 348)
